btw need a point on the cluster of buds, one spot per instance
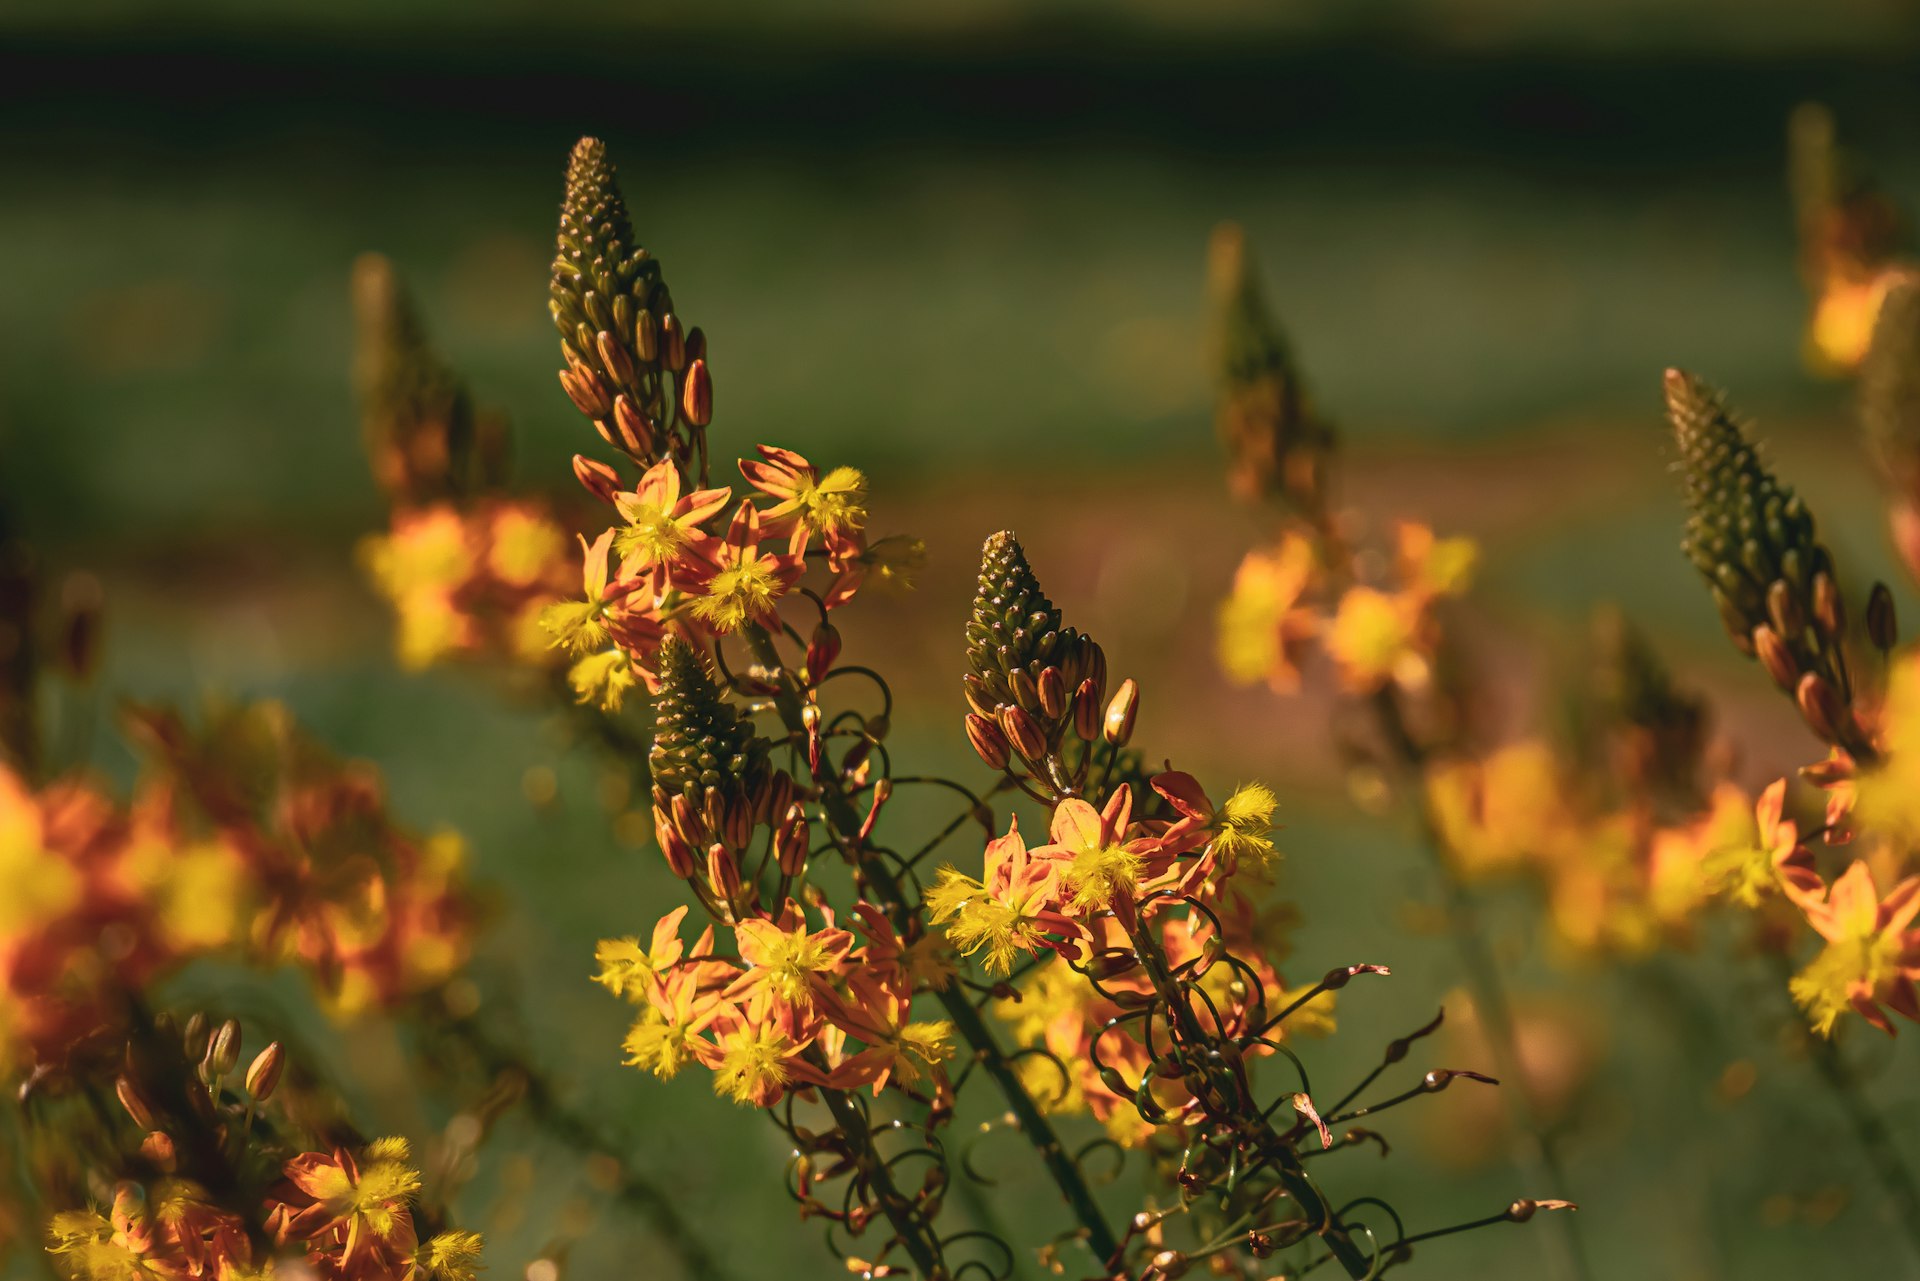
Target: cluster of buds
(217, 1169)
(466, 570)
(1030, 678)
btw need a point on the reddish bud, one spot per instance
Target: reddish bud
(598, 479)
(987, 740)
(1024, 692)
(1023, 734)
(1883, 628)
(736, 822)
(646, 336)
(614, 357)
(586, 391)
(1828, 609)
(1086, 711)
(822, 649)
(1775, 656)
(1118, 727)
(723, 873)
(636, 433)
(673, 346)
(1819, 705)
(263, 1074)
(978, 697)
(1783, 607)
(158, 1149)
(696, 398)
(135, 1104)
(1053, 693)
(791, 841)
(678, 852)
(882, 793)
(696, 343)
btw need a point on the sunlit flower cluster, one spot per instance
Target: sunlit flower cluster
(468, 581)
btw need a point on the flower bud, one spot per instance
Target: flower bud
(696, 398)
(614, 356)
(723, 873)
(1783, 607)
(1022, 733)
(223, 1053)
(1118, 727)
(1025, 694)
(673, 343)
(736, 822)
(1829, 610)
(791, 841)
(1775, 656)
(1883, 628)
(596, 477)
(194, 1039)
(263, 1074)
(132, 1100)
(1052, 687)
(1820, 706)
(687, 821)
(636, 433)
(157, 1148)
(646, 336)
(987, 740)
(678, 851)
(1086, 711)
(587, 392)
(696, 343)
(823, 647)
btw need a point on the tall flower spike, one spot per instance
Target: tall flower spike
(422, 437)
(1276, 446)
(1753, 540)
(1027, 668)
(627, 353)
(703, 749)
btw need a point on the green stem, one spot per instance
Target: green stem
(914, 1233)
(1533, 1152)
(966, 1019)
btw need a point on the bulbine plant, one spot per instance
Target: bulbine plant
(1112, 956)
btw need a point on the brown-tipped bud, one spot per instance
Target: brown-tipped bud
(157, 1148)
(696, 398)
(586, 391)
(194, 1038)
(263, 1074)
(780, 796)
(673, 343)
(1775, 656)
(791, 841)
(1023, 733)
(134, 1102)
(619, 364)
(723, 874)
(1118, 726)
(636, 433)
(823, 647)
(979, 697)
(1025, 693)
(1783, 607)
(736, 822)
(687, 820)
(1052, 687)
(1829, 611)
(1086, 711)
(987, 740)
(598, 479)
(646, 336)
(696, 343)
(1819, 705)
(223, 1052)
(1883, 628)
(678, 851)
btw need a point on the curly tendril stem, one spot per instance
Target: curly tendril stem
(910, 1227)
(972, 1027)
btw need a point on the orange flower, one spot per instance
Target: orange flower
(1872, 956)
(784, 958)
(834, 507)
(1007, 911)
(664, 537)
(747, 585)
(1264, 624)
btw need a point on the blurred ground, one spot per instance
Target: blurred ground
(963, 248)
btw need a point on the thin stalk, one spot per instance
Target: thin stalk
(914, 1233)
(966, 1020)
(1533, 1151)
(1869, 1127)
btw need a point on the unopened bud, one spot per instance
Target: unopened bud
(1025, 693)
(1775, 656)
(614, 356)
(263, 1074)
(636, 433)
(596, 477)
(587, 392)
(823, 647)
(723, 873)
(1883, 628)
(1086, 711)
(135, 1103)
(673, 346)
(1170, 1264)
(1023, 734)
(1118, 727)
(1783, 607)
(679, 853)
(194, 1039)
(696, 398)
(1053, 693)
(646, 336)
(1828, 609)
(736, 822)
(696, 343)
(987, 740)
(687, 821)
(790, 843)
(223, 1053)
(1819, 706)
(882, 793)
(157, 1148)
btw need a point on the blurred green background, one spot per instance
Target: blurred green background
(961, 244)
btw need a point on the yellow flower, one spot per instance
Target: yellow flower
(526, 547)
(451, 1256)
(1246, 821)
(1372, 641)
(35, 883)
(602, 679)
(1263, 622)
(976, 919)
(753, 1063)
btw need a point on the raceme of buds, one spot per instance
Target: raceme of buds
(709, 766)
(1022, 658)
(625, 349)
